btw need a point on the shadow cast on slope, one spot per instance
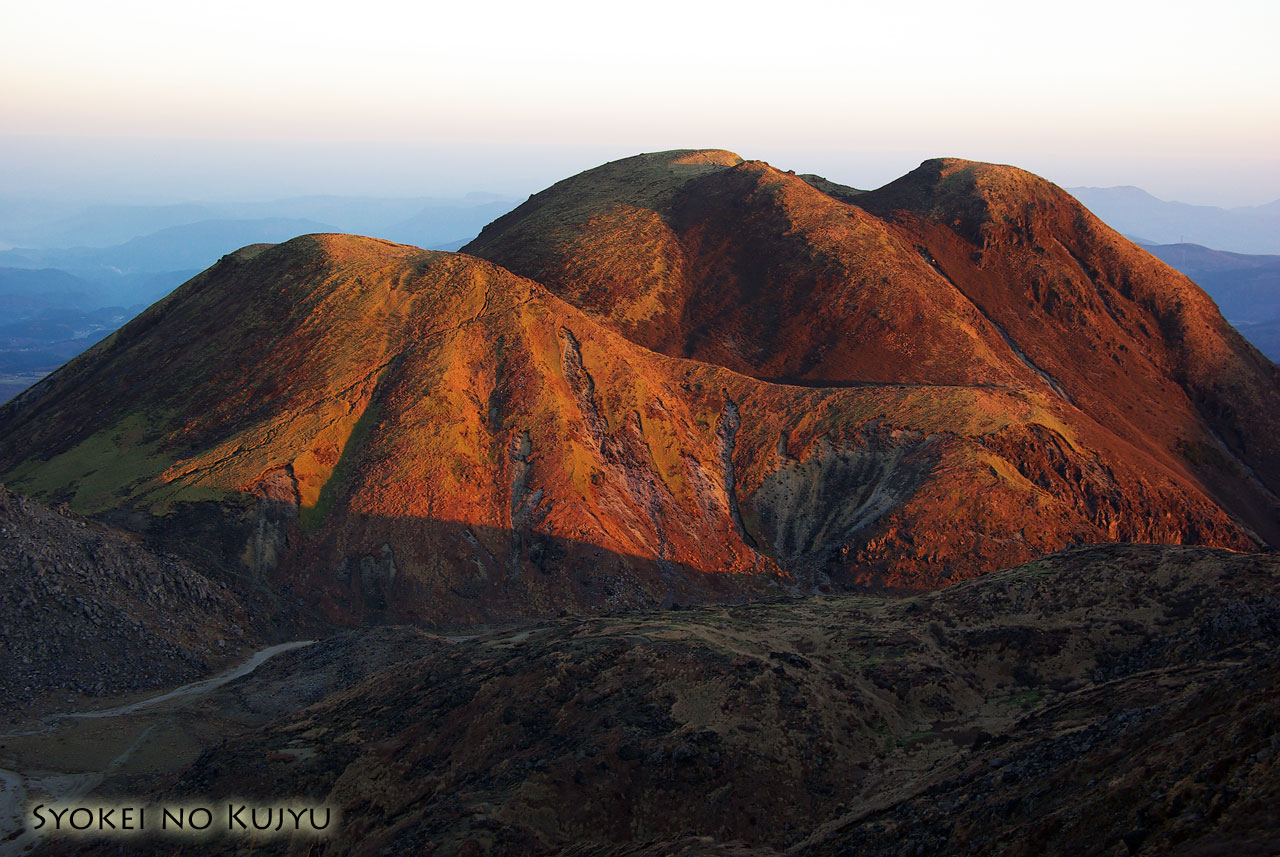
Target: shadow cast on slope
(358, 570)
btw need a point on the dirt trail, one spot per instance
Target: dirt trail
(197, 688)
(15, 786)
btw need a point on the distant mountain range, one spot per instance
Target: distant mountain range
(106, 225)
(146, 268)
(87, 272)
(24, 291)
(1149, 220)
(46, 318)
(131, 255)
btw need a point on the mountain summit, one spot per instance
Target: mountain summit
(958, 273)
(678, 377)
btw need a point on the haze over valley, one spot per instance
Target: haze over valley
(68, 281)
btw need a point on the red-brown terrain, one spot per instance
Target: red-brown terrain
(731, 381)
(960, 273)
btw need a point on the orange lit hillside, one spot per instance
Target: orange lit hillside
(958, 273)
(394, 432)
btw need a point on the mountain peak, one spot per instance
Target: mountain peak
(971, 192)
(708, 157)
(679, 376)
(960, 272)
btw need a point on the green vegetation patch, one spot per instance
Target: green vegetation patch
(311, 517)
(1027, 699)
(100, 473)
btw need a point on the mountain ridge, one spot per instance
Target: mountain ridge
(429, 437)
(599, 258)
(1154, 308)
(1245, 287)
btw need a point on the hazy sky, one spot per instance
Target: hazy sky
(165, 100)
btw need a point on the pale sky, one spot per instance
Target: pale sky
(1181, 98)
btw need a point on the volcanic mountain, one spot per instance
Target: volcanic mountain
(695, 378)
(959, 273)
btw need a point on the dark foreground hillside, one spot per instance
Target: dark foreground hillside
(88, 610)
(1114, 700)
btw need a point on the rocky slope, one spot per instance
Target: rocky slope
(958, 273)
(1134, 344)
(392, 434)
(85, 609)
(1114, 700)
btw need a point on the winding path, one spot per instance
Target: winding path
(14, 786)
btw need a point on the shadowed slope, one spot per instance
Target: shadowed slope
(85, 609)
(1093, 700)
